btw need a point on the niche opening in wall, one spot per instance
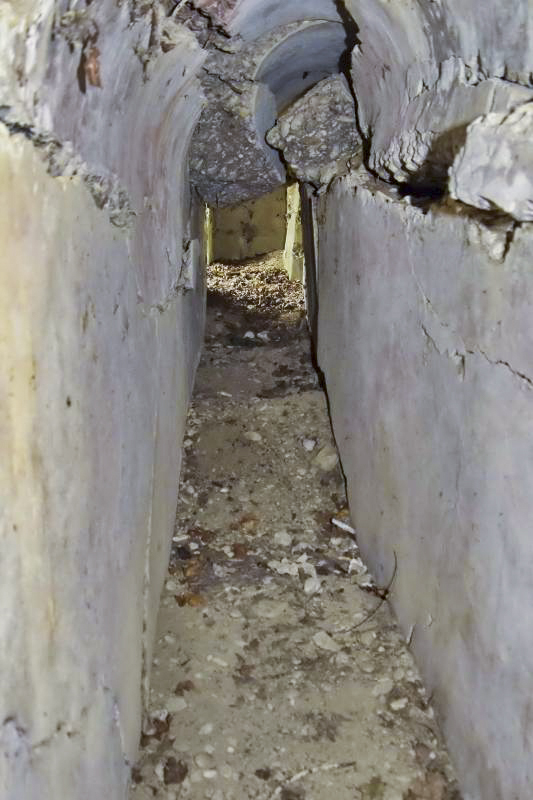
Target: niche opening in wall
(260, 226)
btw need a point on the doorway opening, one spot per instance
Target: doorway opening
(263, 225)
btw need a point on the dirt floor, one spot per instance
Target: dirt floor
(279, 671)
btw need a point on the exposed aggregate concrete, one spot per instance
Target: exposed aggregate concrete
(318, 134)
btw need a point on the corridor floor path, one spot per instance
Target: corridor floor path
(274, 675)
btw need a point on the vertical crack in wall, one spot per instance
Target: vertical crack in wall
(146, 628)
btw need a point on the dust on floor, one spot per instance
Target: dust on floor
(279, 672)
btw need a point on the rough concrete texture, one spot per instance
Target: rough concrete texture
(293, 254)
(101, 321)
(245, 84)
(425, 342)
(229, 161)
(423, 71)
(274, 676)
(494, 168)
(424, 147)
(98, 102)
(250, 229)
(87, 378)
(253, 18)
(317, 134)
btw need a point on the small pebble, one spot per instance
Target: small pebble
(206, 729)
(284, 567)
(217, 660)
(397, 705)
(326, 459)
(203, 761)
(283, 538)
(312, 586)
(176, 704)
(325, 642)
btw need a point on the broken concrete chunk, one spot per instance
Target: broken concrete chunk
(206, 729)
(317, 135)
(312, 586)
(283, 538)
(494, 169)
(284, 567)
(399, 704)
(326, 459)
(325, 642)
(230, 161)
(307, 569)
(175, 704)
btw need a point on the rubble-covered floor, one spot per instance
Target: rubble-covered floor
(274, 676)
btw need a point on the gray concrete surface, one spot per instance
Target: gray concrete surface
(426, 350)
(493, 169)
(317, 134)
(250, 229)
(102, 316)
(102, 308)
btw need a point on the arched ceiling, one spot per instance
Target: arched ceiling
(246, 89)
(416, 70)
(252, 19)
(303, 58)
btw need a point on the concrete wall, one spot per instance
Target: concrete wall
(250, 229)
(425, 340)
(423, 331)
(293, 254)
(101, 320)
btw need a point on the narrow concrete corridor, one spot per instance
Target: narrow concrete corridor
(279, 672)
(131, 131)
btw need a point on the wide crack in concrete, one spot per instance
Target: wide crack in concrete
(274, 675)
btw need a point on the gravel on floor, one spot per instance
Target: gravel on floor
(279, 670)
